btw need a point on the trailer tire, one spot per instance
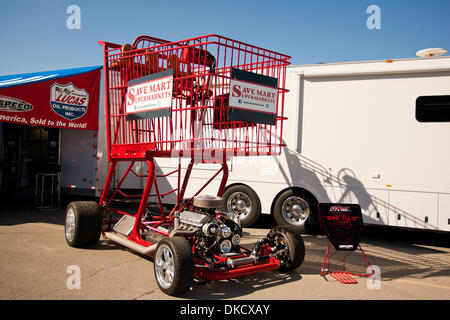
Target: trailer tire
(296, 209)
(242, 200)
(83, 224)
(291, 238)
(173, 264)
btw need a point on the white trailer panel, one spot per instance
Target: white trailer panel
(352, 136)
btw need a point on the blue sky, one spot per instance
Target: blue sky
(34, 36)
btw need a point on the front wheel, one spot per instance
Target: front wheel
(291, 246)
(174, 265)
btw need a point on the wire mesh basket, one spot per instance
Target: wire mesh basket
(210, 96)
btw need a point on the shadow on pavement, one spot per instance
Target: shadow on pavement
(227, 289)
(397, 253)
(17, 209)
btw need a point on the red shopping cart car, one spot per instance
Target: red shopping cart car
(205, 99)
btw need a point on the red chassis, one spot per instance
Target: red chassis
(194, 240)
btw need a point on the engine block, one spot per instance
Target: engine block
(193, 218)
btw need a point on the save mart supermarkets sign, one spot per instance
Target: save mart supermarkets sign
(253, 97)
(150, 96)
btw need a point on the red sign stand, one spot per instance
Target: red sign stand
(343, 226)
(343, 276)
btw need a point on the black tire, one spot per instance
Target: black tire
(178, 251)
(250, 210)
(291, 238)
(83, 224)
(304, 218)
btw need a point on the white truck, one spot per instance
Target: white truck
(373, 133)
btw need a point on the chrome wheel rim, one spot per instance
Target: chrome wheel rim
(295, 210)
(280, 239)
(164, 266)
(240, 204)
(70, 224)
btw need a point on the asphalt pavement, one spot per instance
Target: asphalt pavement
(37, 264)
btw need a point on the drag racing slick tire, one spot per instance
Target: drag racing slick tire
(83, 223)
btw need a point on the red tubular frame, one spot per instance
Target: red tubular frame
(239, 271)
(196, 128)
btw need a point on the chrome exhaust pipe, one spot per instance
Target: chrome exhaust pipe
(130, 244)
(241, 261)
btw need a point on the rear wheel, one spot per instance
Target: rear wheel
(174, 265)
(291, 242)
(243, 201)
(83, 223)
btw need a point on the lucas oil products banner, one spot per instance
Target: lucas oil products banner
(62, 98)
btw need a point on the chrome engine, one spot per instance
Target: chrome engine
(213, 230)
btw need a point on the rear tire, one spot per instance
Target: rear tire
(83, 223)
(243, 201)
(174, 265)
(293, 241)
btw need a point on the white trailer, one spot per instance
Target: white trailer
(373, 133)
(74, 150)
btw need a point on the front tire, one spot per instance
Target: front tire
(292, 241)
(174, 265)
(83, 223)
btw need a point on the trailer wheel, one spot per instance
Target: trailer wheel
(174, 265)
(243, 201)
(83, 223)
(296, 209)
(289, 238)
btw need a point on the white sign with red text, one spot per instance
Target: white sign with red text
(149, 98)
(252, 96)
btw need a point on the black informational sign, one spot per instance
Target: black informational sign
(342, 224)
